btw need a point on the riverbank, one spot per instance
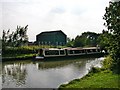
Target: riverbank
(97, 78)
(18, 57)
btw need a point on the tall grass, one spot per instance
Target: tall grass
(11, 51)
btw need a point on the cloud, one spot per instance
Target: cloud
(71, 16)
(58, 10)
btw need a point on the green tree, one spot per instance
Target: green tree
(86, 39)
(70, 42)
(6, 37)
(17, 38)
(103, 40)
(20, 36)
(90, 38)
(78, 41)
(112, 18)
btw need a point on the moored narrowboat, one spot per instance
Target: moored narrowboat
(55, 52)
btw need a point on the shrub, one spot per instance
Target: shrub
(17, 50)
(95, 70)
(107, 63)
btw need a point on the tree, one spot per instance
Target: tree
(20, 36)
(112, 18)
(5, 38)
(90, 38)
(70, 42)
(103, 40)
(86, 39)
(17, 38)
(78, 41)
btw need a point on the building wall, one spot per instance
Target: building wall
(51, 38)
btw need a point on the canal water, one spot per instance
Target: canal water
(45, 74)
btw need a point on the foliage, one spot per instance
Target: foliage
(103, 40)
(86, 39)
(17, 38)
(112, 18)
(13, 51)
(78, 42)
(70, 42)
(107, 63)
(0, 43)
(95, 70)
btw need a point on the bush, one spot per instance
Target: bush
(95, 70)
(17, 50)
(107, 63)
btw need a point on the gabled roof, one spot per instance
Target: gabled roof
(48, 32)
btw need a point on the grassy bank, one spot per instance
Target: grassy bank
(18, 57)
(18, 53)
(97, 78)
(102, 79)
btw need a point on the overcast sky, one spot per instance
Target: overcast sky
(73, 17)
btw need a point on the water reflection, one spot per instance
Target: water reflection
(14, 73)
(57, 64)
(45, 74)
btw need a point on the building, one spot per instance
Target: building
(51, 38)
(31, 43)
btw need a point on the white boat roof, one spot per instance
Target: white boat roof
(53, 49)
(70, 48)
(92, 48)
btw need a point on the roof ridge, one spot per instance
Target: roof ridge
(52, 31)
(45, 32)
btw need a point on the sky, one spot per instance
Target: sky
(73, 17)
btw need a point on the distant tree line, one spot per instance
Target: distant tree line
(87, 39)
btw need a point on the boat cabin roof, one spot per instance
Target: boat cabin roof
(92, 48)
(53, 49)
(69, 48)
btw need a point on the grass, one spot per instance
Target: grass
(18, 55)
(99, 78)
(102, 79)
(24, 50)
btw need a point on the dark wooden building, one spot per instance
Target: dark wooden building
(51, 38)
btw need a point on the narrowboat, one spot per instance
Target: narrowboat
(58, 52)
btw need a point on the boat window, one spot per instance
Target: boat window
(62, 52)
(77, 51)
(71, 51)
(52, 52)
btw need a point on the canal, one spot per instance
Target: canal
(45, 74)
